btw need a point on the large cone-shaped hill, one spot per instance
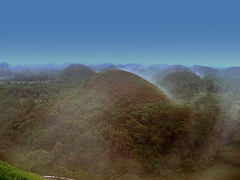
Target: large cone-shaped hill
(136, 113)
(121, 87)
(76, 71)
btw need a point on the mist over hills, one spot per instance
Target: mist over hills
(112, 121)
(150, 72)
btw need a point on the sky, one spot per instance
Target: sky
(204, 32)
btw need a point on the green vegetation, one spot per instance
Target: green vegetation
(219, 171)
(8, 172)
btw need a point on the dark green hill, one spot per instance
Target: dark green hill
(182, 84)
(76, 71)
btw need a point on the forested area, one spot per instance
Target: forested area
(114, 124)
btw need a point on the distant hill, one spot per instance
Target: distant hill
(130, 66)
(181, 84)
(204, 70)
(76, 71)
(175, 68)
(233, 72)
(5, 71)
(169, 69)
(103, 67)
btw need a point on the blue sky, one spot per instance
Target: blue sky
(120, 31)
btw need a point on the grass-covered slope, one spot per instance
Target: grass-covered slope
(8, 172)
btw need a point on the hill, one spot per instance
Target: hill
(76, 71)
(181, 84)
(233, 72)
(5, 71)
(133, 116)
(103, 67)
(174, 68)
(204, 70)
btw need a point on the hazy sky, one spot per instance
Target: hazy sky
(120, 31)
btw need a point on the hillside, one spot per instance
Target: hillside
(8, 172)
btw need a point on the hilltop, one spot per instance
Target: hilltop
(103, 67)
(123, 87)
(181, 84)
(76, 71)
